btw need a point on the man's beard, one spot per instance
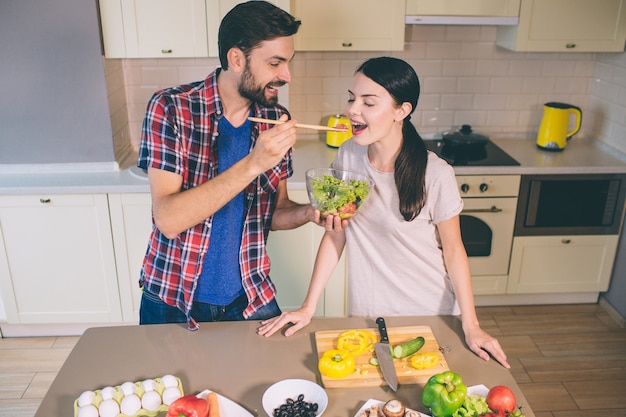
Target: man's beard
(248, 88)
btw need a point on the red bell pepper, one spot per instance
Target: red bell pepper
(188, 406)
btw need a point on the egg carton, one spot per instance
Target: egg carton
(118, 396)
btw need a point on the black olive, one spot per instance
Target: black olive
(296, 408)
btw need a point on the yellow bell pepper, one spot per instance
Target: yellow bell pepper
(336, 363)
(356, 341)
(424, 360)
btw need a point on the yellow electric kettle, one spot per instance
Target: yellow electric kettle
(554, 131)
(335, 139)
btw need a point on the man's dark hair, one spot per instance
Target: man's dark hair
(250, 23)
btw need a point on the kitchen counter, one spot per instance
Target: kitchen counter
(580, 156)
(232, 360)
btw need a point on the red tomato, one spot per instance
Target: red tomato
(501, 400)
(347, 211)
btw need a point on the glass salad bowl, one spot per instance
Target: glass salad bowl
(337, 192)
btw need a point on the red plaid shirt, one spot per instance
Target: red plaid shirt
(179, 135)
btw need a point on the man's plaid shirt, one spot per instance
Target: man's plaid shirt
(179, 134)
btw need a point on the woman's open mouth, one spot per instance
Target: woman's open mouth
(357, 127)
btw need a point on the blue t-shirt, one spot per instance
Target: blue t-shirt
(220, 281)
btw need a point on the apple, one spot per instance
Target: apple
(501, 400)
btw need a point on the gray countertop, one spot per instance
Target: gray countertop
(580, 156)
(231, 359)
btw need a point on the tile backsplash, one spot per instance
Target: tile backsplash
(465, 79)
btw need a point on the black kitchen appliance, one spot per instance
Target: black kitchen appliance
(573, 204)
(484, 153)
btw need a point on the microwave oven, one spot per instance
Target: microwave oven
(577, 204)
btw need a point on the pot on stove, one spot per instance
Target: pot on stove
(464, 145)
(464, 137)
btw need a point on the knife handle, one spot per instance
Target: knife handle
(382, 328)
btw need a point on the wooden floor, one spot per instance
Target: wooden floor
(569, 360)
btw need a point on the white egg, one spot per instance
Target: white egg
(86, 398)
(109, 408)
(89, 410)
(107, 393)
(170, 394)
(130, 404)
(148, 385)
(151, 400)
(128, 388)
(169, 381)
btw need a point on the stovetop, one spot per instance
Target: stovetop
(487, 154)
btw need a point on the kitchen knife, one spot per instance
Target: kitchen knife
(383, 354)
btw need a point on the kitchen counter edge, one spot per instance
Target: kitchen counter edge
(581, 156)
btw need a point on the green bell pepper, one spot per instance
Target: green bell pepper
(444, 393)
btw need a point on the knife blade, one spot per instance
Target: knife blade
(383, 354)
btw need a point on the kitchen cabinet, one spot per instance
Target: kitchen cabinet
(349, 25)
(164, 28)
(561, 264)
(131, 224)
(154, 28)
(567, 26)
(56, 259)
(292, 253)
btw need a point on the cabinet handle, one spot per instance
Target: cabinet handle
(44, 200)
(570, 45)
(346, 44)
(566, 241)
(166, 51)
(492, 209)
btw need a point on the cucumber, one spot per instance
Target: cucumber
(408, 348)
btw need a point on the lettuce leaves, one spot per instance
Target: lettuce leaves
(473, 406)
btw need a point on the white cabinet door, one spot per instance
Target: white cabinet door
(131, 224)
(567, 26)
(561, 264)
(164, 28)
(154, 28)
(292, 253)
(58, 264)
(349, 25)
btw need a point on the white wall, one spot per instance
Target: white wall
(607, 117)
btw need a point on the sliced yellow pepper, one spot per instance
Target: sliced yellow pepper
(336, 363)
(424, 360)
(356, 341)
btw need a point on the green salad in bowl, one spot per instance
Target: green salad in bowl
(337, 192)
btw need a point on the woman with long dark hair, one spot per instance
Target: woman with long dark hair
(404, 248)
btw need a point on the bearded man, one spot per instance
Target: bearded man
(218, 181)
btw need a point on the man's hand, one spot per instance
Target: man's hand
(272, 145)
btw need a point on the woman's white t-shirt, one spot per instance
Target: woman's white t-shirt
(395, 267)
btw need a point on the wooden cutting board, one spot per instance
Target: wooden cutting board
(367, 375)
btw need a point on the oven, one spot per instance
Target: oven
(488, 218)
(487, 225)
